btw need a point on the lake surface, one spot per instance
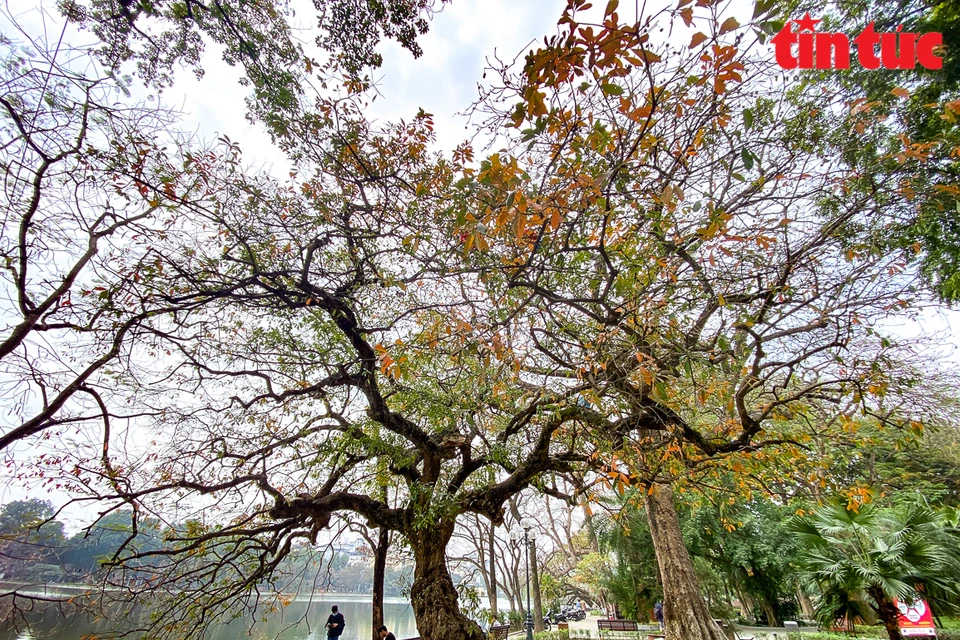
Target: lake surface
(300, 620)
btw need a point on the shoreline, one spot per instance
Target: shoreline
(40, 589)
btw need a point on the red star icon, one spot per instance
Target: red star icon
(806, 23)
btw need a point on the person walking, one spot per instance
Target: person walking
(658, 613)
(384, 634)
(335, 623)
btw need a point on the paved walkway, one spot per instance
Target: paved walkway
(590, 624)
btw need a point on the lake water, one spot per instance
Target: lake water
(300, 620)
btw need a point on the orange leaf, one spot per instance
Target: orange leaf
(687, 15)
(900, 92)
(697, 39)
(649, 56)
(729, 25)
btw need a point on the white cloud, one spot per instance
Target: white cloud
(444, 81)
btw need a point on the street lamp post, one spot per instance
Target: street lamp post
(527, 535)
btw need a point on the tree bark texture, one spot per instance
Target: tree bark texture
(535, 587)
(492, 583)
(379, 575)
(686, 615)
(806, 607)
(769, 612)
(433, 594)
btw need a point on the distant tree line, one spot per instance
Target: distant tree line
(34, 547)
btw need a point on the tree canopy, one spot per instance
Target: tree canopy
(675, 261)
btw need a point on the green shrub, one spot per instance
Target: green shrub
(515, 619)
(948, 622)
(862, 632)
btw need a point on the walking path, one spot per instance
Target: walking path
(590, 624)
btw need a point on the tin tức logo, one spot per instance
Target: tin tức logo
(807, 48)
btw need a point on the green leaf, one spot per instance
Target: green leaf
(763, 7)
(659, 391)
(772, 27)
(747, 119)
(747, 158)
(611, 89)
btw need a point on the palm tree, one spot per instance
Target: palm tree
(864, 559)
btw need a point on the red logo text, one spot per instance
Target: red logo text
(806, 48)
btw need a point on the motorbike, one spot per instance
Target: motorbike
(573, 612)
(551, 618)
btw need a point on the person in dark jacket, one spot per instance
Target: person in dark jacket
(335, 623)
(384, 634)
(658, 613)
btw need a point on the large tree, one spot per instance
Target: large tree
(677, 227)
(330, 343)
(662, 268)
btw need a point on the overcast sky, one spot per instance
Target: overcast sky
(442, 82)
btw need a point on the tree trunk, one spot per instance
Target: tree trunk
(433, 594)
(518, 590)
(887, 612)
(805, 605)
(685, 613)
(492, 586)
(535, 587)
(379, 575)
(769, 612)
(591, 530)
(747, 607)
